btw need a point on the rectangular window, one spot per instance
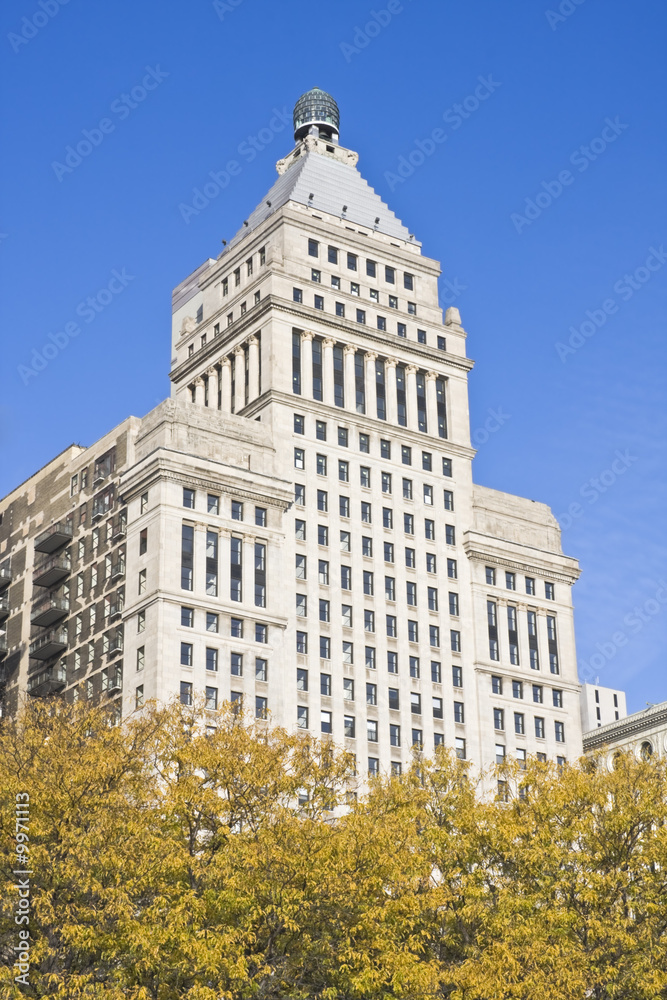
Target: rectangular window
(369, 621)
(367, 546)
(352, 262)
(368, 583)
(538, 694)
(450, 534)
(297, 295)
(414, 667)
(391, 626)
(260, 575)
(530, 585)
(392, 662)
(212, 563)
(429, 529)
(237, 507)
(459, 712)
(371, 268)
(322, 535)
(300, 530)
(411, 593)
(261, 707)
(361, 316)
(559, 729)
(313, 248)
(187, 617)
(394, 736)
(211, 658)
(319, 302)
(236, 664)
(366, 513)
(382, 323)
(433, 599)
(421, 336)
(455, 641)
(187, 556)
(371, 734)
(236, 569)
(510, 581)
(299, 495)
(260, 517)
(498, 718)
(302, 642)
(296, 362)
(186, 655)
(346, 577)
(557, 698)
(549, 591)
(325, 647)
(321, 465)
(302, 605)
(519, 723)
(401, 330)
(457, 677)
(188, 498)
(390, 588)
(371, 694)
(323, 572)
(261, 669)
(324, 610)
(316, 276)
(369, 655)
(490, 576)
(332, 255)
(436, 672)
(539, 727)
(301, 679)
(517, 689)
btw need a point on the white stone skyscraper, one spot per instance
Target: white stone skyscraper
(297, 526)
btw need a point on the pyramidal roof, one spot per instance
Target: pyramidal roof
(324, 177)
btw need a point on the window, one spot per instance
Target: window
(323, 572)
(344, 506)
(390, 588)
(346, 615)
(139, 696)
(510, 581)
(371, 694)
(369, 621)
(519, 723)
(319, 301)
(538, 694)
(325, 685)
(369, 655)
(236, 664)
(361, 316)
(530, 585)
(401, 330)
(431, 562)
(448, 500)
(187, 617)
(142, 582)
(300, 530)
(346, 578)
(428, 495)
(261, 668)
(354, 288)
(559, 730)
(433, 599)
(366, 513)
(392, 662)
(302, 642)
(332, 255)
(143, 541)
(410, 558)
(408, 281)
(299, 463)
(412, 308)
(313, 248)
(414, 667)
(417, 739)
(325, 647)
(459, 712)
(343, 471)
(421, 336)
(261, 707)
(394, 736)
(391, 626)
(539, 727)
(211, 621)
(349, 726)
(406, 454)
(186, 654)
(301, 679)
(388, 520)
(236, 569)
(211, 658)
(322, 534)
(381, 323)
(457, 677)
(237, 506)
(352, 262)
(348, 689)
(490, 576)
(302, 606)
(447, 467)
(549, 591)
(517, 689)
(302, 717)
(186, 693)
(368, 583)
(393, 302)
(316, 275)
(416, 703)
(299, 495)
(335, 282)
(409, 524)
(429, 529)
(345, 541)
(557, 698)
(367, 546)
(365, 476)
(455, 641)
(371, 732)
(73, 488)
(450, 534)
(324, 610)
(188, 498)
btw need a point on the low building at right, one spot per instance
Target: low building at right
(645, 733)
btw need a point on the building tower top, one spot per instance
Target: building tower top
(316, 110)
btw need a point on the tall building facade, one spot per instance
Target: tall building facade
(297, 526)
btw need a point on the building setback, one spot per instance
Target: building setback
(297, 526)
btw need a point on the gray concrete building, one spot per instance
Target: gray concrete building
(297, 527)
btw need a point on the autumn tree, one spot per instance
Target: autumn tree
(181, 855)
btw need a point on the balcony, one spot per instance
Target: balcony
(115, 644)
(55, 536)
(49, 645)
(114, 683)
(5, 575)
(49, 609)
(3, 646)
(4, 607)
(52, 571)
(115, 611)
(118, 569)
(47, 681)
(119, 527)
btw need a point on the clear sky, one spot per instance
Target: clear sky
(544, 201)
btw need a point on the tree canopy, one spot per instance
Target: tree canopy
(171, 859)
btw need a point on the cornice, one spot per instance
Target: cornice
(632, 725)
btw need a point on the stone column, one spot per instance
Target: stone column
(431, 403)
(212, 374)
(327, 371)
(199, 391)
(411, 396)
(350, 393)
(371, 390)
(253, 364)
(239, 378)
(390, 391)
(226, 385)
(307, 364)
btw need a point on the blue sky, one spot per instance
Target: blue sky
(545, 204)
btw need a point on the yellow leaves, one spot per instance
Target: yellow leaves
(175, 864)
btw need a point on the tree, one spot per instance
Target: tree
(172, 859)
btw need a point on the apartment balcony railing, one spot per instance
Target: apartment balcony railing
(49, 609)
(49, 645)
(55, 536)
(5, 575)
(47, 681)
(51, 571)
(114, 682)
(115, 644)
(118, 569)
(4, 607)
(119, 527)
